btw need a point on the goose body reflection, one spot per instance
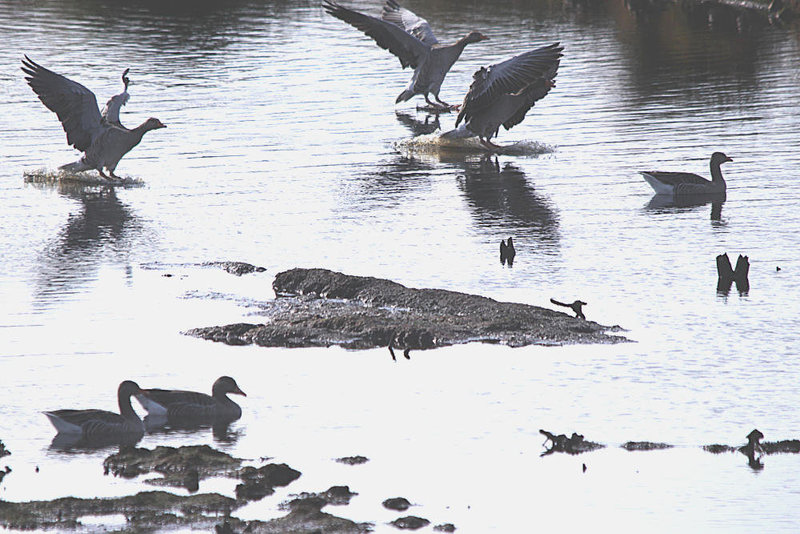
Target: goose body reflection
(102, 140)
(411, 39)
(679, 184)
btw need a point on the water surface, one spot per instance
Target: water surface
(281, 150)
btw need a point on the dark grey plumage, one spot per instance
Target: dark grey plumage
(103, 142)
(686, 183)
(411, 39)
(504, 92)
(192, 405)
(94, 423)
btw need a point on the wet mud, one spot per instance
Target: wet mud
(157, 511)
(320, 308)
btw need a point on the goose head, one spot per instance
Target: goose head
(125, 79)
(128, 388)
(474, 37)
(153, 124)
(718, 158)
(224, 385)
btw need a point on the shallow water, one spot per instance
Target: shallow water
(282, 149)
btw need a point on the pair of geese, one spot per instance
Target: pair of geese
(173, 405)
(499, 95)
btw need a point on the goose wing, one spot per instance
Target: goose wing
(409, 21)
(75, 105)
(408, 48)
(677, 178)
(524, 73)
(88, 422)
(178, 403)
(110, 113)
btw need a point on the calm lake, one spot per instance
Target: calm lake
(282, 150)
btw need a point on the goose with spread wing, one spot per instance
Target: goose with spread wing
(686, 183)
(192, 405)
(103, 142)
(411, 39)
(94, 423)
(504, 92)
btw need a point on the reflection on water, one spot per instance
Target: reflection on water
(661, 204)
(79, 443)
(503, 199)
(220, 430)
(104, 228)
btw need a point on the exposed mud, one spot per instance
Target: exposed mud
(353, 460)
(259, 482)
(645, 446)
(144, 511)
(181, 467)
(324, 308)
(410, 522)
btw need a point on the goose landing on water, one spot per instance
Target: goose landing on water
(411, 39)
(685, 183)
(504, 92)
(103, 142)
(101, 423)
(191, 405)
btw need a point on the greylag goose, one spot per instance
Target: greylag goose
(103, 143)
(178, 404)
(100, 423)
(503, 93)
(686, 183)
(110, 113)
(411, 39)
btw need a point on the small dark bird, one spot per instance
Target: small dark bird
(507, 252)
(575, 306)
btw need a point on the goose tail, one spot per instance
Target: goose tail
(658, 186)
(76, 166)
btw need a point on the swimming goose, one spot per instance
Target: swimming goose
(110, 113)
(178, 404)
(411, 39)
(686, 183)
(103, 143)
(503, 93)
(99, 423)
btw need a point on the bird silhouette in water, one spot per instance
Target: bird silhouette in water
(576, 306)
(507, 252)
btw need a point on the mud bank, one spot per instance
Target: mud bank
(160, 511)
(320, 308)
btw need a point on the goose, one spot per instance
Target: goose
(178, 404)
(110, 113)
(686, 183)
(411, 39)
(504, 92)
(94, 423)
(103, 142)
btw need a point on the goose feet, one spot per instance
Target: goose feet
(490, 146)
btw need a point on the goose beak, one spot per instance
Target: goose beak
(239, 392)
(728, 158)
